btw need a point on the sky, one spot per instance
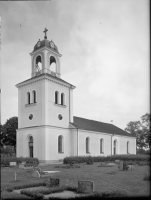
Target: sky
(105, 54)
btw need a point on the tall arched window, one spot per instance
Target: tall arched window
(101, 145)
(56, 97)
(34, 96)
(87, 145)
(60, 144)
(30, 146)
(115, 147)
(28, 97)
(62, 99)
(128, 147)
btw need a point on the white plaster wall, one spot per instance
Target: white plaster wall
(51, 148)
(122, 144)
(37, 109)
(38, 135)
(53, 110)
(94, 143)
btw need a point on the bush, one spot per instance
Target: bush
(82, 159)
(32, 194)
(29, 161)
(8, 151)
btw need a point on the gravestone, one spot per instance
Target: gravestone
(130, 167)
(53, 182)
(21, 165)
(120, 166)
(117, 161)
(36, 174)
(12, 163)
(86, 186)
(103, 164)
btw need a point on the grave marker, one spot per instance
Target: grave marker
(54, 182)
(86, 186)
(12, 163)
(15, 175)
(36, 174)
(121, 166)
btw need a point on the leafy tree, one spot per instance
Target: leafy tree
(141, 129)
(8, 135)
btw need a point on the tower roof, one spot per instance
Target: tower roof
(46, 43)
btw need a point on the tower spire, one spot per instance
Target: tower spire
(45, 31)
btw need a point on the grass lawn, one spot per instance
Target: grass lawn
(131, 181)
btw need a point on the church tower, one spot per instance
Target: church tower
(45, 106)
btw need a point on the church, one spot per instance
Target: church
(47, 128)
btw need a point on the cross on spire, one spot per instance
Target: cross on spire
(45, 31)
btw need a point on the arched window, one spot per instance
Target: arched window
(101, 145)
(34, 96)
(87, 145)
(52, 64)
(128, 147)
(30, 146)
(38, 64)
(56, 97)
(28, 97)
(115, 147)
(62, 99)
(60, 144)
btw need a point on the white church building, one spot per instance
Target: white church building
(47, 128)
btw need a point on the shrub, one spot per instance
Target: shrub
(33, 194)
(82, 159)
(8, 151)
(30, 161)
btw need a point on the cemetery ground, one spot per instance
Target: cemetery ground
(105, 178)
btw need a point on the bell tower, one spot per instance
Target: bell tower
(45, 105)
(45, 58)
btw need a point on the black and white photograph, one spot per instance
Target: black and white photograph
(75, 99)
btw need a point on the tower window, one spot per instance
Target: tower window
(28, 97)
(62, 99)
(53, 64)
(60, 144)
(87, 145)
(101, 145)
(38, 64)
(34, 96)
(56, 97)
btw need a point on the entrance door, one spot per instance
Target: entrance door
(31, 147)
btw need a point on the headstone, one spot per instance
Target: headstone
(54, 182)
(36, 174)
(21, 165)
(130, 167)
(12, 163)
(117, 161)
(86, 186)
(37, 169)
(121, 165)
(103, 164)
(15, 176)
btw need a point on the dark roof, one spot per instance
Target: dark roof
(45, 43)
(91, 125)
(47, 75)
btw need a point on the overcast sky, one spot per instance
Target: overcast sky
(105, 54)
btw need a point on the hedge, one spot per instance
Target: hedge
(82, 159)
(31, 161)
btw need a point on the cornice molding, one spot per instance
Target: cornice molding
(45, 78)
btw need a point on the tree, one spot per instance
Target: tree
(8, 135)
(141, 130)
